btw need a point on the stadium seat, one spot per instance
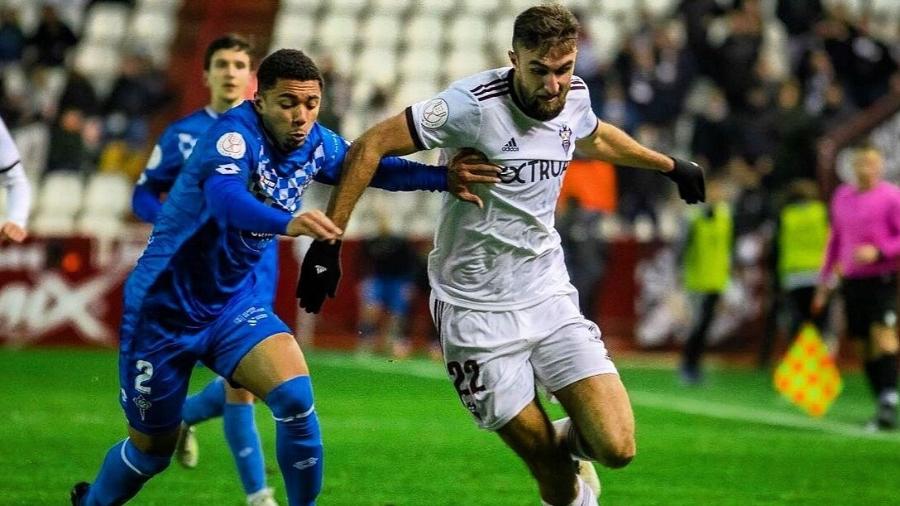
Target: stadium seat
(377, 65)
(46, 224)
(461, 63)
(337, 31)
(293, 30)
(61, 192)
(467, 32)
(167, 6)
(414, 90)
(501, 37)
(380, 31)
(424, 31)
(419, 64)
(480, 7)
(100, 226)
(436, 7)
(153, 28)
(107, 194)
(606, 35)
(350, 7)
(106, 23)
(392, 7)
(99, 62)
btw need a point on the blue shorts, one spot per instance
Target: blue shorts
(156, 358)
(391, 293)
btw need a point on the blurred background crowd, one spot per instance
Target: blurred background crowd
(763, 93)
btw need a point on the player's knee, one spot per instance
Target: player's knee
(292, 405)
(238, 395)
(147, 464)
(619, 452)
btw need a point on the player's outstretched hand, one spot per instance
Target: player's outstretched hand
(468, 167)
(689, 178)
(12, 232)
(314, 224)
(319, 275)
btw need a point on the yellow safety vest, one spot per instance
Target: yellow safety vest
(707, 259)
(802, 238)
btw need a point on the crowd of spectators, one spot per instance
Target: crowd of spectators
(738, 85)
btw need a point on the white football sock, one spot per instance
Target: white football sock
(575, 445)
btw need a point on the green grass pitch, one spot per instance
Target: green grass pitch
(395, 434)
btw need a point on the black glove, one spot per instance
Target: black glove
(319, 275)
(689, 178)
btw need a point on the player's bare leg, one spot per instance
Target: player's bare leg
(532, 436)
(601, 413)
(275, 370)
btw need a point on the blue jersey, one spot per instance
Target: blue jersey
(165, 163)
(235, 192)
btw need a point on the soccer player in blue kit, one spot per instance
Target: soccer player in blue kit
(195, 294)
(226, 72)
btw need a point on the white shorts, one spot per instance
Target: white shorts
(494, 357)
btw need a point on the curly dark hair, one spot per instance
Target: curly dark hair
(228, 41)
(287, 64)
(544, 27)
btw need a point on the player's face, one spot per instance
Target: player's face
(542, 81)
(228, 76)
(289, 110)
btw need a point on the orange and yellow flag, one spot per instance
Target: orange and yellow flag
(808, 376)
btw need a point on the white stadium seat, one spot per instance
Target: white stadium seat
(420, 64)
(107, 194)
(380, 31)
(153, 28)
(106, 23)
(352, 7)
(435, 7)
(480, 7)
(467, 32)
(337, 30)
(376, 65)
(392, 7)
(461, 63)
(61, 192)
(293, 30)
(412, 91)
(424, 31)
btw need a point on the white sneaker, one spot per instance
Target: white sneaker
(187, 451)
(589, 475)
(262, 498)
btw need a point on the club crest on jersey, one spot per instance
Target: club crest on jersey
(565, 137)
(231, 144)
(435, 113)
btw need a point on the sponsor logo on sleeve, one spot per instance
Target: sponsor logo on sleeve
(228, 169)
(155, 158)
(231, 144)
(435, 113)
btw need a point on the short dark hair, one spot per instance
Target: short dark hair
(544, 27)
(287, 64)
(228, 41)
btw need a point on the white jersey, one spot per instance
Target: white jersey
(506, 256)
(12, 176)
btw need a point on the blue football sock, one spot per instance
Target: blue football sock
(298, 440)
(124, 471)
(243, 439)
(206, 404)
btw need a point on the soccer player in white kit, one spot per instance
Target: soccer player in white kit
(18, 190)
(501, 297)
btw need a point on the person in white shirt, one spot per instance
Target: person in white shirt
(501, 299)
(18, 190)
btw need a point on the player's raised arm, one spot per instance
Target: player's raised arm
(611, 144)
(390, 137)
